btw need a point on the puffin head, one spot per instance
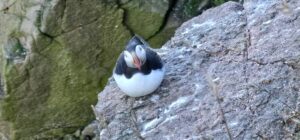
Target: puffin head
(135, 52)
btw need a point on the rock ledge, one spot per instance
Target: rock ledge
(232, 73)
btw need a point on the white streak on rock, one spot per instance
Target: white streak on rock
(152, 124)
(178, 103)
(267, 22)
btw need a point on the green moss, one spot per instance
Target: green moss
(158, 40)
(16, 34)
(25, 104)
(143, 23)
(141, 19)
(50, 93)
(219, 2)
(191, 7)
(51, 98)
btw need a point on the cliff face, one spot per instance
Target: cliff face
(56, 55)
(52, 66)
(231, 73)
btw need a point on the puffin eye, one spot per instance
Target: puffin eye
(126, 54)
(139, 47)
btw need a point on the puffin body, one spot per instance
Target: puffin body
(139, 70)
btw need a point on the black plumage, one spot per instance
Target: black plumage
(153, 61)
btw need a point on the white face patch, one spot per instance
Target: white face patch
(128, 59)
(141, 53)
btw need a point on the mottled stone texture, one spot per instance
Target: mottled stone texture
(232, 73)
(56, 56)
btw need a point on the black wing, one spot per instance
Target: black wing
(153, 60)
(122, 68)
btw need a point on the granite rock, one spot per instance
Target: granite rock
(231, 73)
(56, 55)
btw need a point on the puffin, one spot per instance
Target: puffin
(139, 70)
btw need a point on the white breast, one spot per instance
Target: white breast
(140, 84)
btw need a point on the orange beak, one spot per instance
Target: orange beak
(137, 62)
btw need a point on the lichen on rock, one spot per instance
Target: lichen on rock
(49, 92)
(145, 18)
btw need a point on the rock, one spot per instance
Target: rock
(89, 131)
(145, 17)
(57, 55)
(179, 11)
(232, 73)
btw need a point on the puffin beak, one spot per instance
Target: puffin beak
(136, 61)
